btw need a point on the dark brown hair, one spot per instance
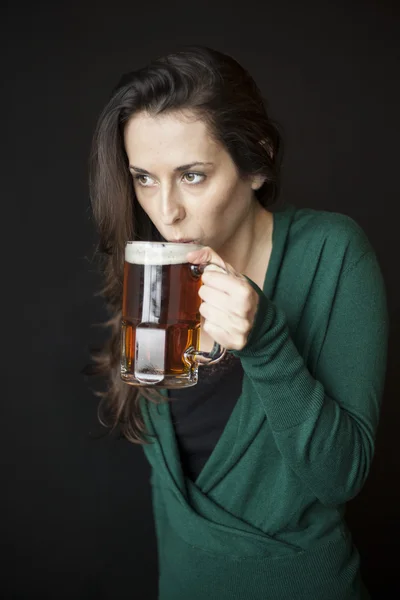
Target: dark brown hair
(216, 88)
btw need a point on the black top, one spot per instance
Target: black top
(200, 413)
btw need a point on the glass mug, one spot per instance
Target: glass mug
(160, 334)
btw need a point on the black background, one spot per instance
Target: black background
(76, 520)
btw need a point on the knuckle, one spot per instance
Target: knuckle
(246, 328)
(243, 289)
(247, 308)
(245, 294)
(242, 325)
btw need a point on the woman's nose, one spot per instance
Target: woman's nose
(172, 209)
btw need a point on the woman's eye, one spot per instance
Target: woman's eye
(194, 178)
(191, 178)
(143, 180)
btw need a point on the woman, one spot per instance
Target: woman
(251, 468)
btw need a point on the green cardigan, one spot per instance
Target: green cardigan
(264, 519)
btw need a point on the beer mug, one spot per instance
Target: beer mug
(160, 334)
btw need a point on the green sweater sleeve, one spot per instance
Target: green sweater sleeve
(324, 426)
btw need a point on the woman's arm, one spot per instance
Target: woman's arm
(324, 426)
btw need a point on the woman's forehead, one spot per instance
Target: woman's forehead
(183, 138)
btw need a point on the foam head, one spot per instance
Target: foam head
(158, 253)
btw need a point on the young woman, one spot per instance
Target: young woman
(252, 467)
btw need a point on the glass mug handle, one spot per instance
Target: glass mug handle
(217, 352)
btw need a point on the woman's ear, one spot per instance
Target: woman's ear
(257, 181)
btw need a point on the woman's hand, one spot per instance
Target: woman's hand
(229, 302)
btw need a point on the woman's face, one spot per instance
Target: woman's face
(185, 181)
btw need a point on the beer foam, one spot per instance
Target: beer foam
(158, 253)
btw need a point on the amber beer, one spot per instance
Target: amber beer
(160, 315)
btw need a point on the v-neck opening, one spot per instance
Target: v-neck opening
(281, 222)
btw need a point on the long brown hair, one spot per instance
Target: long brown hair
(219, 90)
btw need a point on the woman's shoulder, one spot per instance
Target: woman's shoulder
(335, 232)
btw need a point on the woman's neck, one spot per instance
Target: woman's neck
(249, 249)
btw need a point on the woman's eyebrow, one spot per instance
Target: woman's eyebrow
(177, 169)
